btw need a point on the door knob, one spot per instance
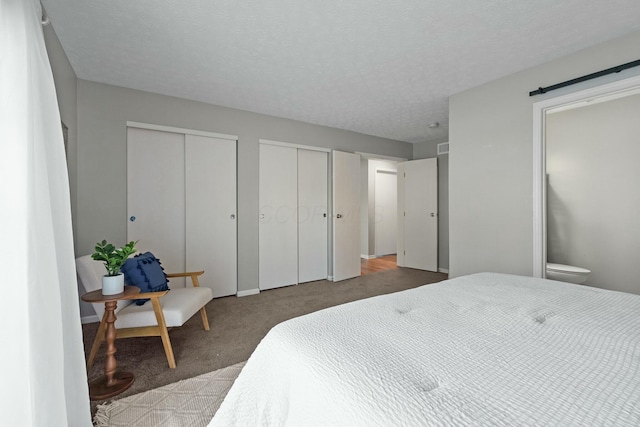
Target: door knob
(339, 216)
(433, 214)
(261, 216)
(132, 218)
(233, 216)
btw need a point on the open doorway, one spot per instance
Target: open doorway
(378, 210)
(378, 264)
(585, 186)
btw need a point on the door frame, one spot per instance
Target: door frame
(379, 156)
(372, 156)
(540, 109)
(185, 131)
(292, 145)
(375, 188)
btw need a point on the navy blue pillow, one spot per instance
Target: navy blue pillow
(144, 271)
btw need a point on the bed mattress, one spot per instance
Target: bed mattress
(483, 350)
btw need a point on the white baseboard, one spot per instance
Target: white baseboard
(89, 319)
(443, 270)
(367, 256)
(248, 292)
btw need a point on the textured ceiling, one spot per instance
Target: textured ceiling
(379, 67)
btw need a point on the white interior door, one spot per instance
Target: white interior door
(211, 226)
(386, 212)
(346, 215)
(278, 234)
(155, 196)
(312, 215)
(419, 202)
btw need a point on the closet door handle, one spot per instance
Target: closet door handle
(339, 216)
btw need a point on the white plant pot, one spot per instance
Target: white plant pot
(112, 285)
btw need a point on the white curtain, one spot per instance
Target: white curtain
(44, 382)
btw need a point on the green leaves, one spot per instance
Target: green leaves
(113, 257)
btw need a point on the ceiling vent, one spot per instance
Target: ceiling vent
(443, 148)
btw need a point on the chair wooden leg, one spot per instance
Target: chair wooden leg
(97, 342)
(164, 334)
(205, 319)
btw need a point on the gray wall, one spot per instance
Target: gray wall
(364, 206)
(65, 81)
(443, 211)
(491, 158)
(428, 150)
(592, 193)
(103, 111)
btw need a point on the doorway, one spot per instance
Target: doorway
(584, 183)
(378, 213)
(378, 264)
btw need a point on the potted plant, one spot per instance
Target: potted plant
(113, 258)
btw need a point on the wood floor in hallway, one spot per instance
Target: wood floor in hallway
(375, 265)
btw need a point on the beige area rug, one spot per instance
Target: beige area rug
(190, 402)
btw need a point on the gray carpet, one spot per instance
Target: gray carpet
(238, 325)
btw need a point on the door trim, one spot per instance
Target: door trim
(292, 145)
(380, 157)
(180, 130)
(375, 213)
(540, 109)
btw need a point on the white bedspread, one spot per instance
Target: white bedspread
(482, 350)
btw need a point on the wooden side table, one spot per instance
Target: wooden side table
(112, 382)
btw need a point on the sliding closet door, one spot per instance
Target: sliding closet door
(312, 215)
(155, 195)
(211, 232)
(278, 216)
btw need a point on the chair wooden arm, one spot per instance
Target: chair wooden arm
(193, 274)
(147, 295)
(189, 273)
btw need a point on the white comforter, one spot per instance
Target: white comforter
(481, 350)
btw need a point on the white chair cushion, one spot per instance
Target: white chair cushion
(178, 306)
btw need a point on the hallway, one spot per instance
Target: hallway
(375, 265)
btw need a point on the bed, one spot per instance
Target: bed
(483, 350)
